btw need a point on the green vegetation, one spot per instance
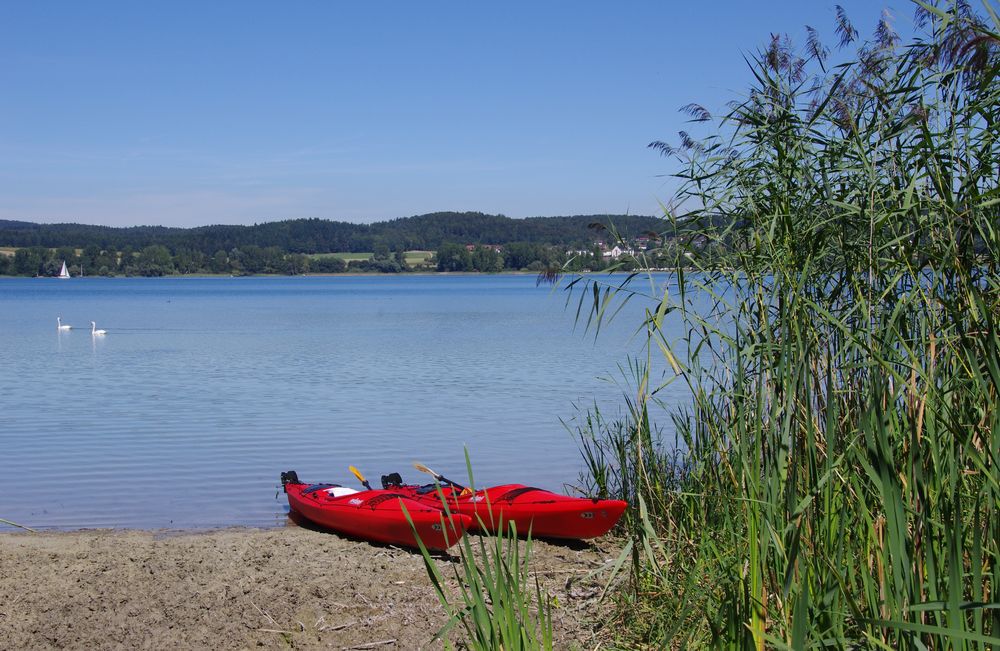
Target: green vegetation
(419, 258)
(346, 257)
(19, 526)
(376, 261)
(493, 242)
(836, 480)
(499, 605)
(412, 258)
(423, 232)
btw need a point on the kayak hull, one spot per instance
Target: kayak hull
(542, 513)
(378, 516)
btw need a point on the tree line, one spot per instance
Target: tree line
(309, 236)
(575, 243)
(158, 260)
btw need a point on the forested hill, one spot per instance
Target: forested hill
(323, 236)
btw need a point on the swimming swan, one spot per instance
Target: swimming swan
(60, 326)
(94, 332)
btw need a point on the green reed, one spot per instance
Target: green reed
(496, 603)
(838, 482)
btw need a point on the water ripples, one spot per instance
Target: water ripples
(205, 389)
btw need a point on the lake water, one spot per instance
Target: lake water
(205, 389)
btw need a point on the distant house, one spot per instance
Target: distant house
(497, 248)
(614, 253)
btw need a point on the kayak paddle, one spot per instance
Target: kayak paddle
(361, 478)
(441, 478)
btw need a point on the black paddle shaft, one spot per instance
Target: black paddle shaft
(445, 480)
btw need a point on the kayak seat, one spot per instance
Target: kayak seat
(312, 488)
(511, 495)
(392, 480)
(447, 487)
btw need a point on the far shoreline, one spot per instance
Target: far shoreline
(360, 274)
(346, 274)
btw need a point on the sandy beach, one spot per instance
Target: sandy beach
(290, 587)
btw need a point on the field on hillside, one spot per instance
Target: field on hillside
(413, 258)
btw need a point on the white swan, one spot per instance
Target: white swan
(94, 332)
(60, 326)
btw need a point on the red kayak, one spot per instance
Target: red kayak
(543, 513)
(375, 515)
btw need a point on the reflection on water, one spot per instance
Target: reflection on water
(204, 390)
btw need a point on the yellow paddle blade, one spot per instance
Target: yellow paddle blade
(422, 468)
(357, 473)
(439, 478)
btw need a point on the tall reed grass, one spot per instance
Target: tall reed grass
(496, 604)
(836, 482)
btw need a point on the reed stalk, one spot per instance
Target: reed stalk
(495, 604)
(835, 479)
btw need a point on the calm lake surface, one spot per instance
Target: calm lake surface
(205, 389)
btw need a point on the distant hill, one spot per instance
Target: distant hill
(323, 236)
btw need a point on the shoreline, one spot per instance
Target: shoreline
(238, 587)
(349, 274)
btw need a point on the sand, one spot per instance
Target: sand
(285, 588)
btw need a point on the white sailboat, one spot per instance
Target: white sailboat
(65, 272)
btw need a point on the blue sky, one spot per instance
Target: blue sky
(193, 113)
